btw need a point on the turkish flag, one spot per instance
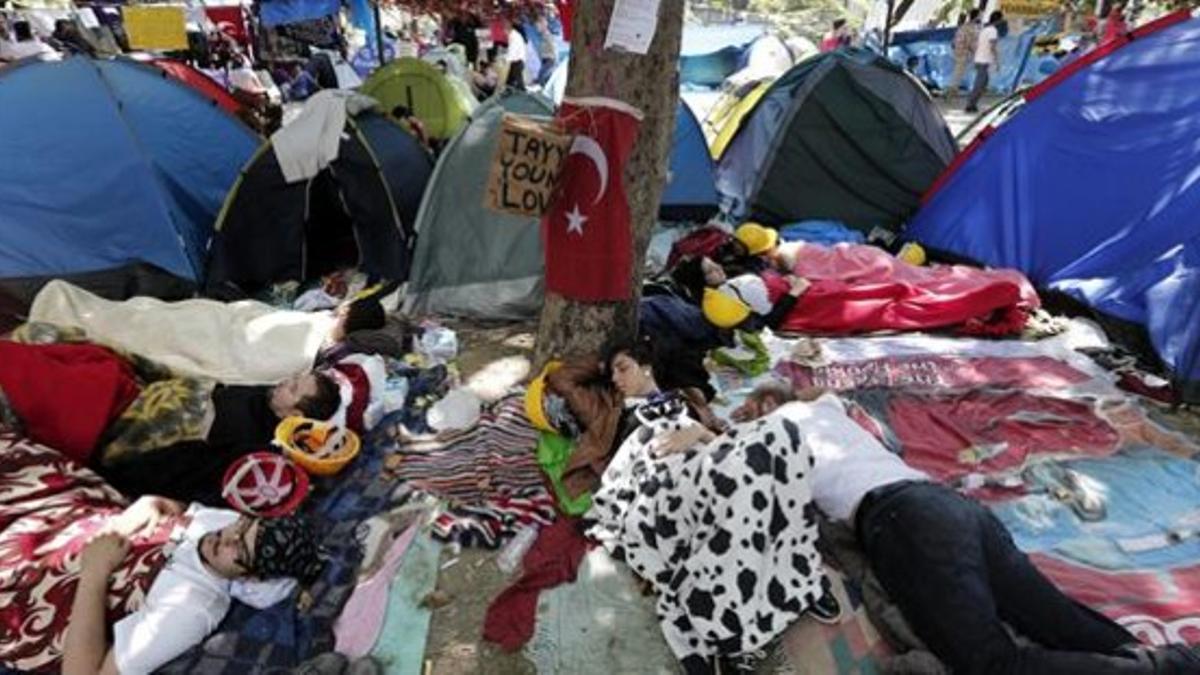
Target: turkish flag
(230, 21)
(586, 232)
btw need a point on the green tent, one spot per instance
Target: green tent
(844, 136)
(442, 103)
(469, 260)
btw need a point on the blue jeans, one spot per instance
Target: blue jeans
(954, 572)
(980, 85)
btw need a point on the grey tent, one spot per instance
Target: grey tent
(469, 260)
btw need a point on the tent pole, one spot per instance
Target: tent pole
(887, 27)
(379, 33)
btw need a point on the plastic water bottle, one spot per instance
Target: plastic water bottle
(514, 551)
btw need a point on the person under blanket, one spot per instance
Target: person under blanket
(222, 556)
(685, 331)
(720, 527)
(139, 459)
(949, 564)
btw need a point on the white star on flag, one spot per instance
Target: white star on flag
(575, 221)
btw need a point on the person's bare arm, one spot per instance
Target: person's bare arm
(85, 650)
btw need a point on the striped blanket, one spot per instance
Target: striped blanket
(488, 474)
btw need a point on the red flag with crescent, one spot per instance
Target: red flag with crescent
(586, 233)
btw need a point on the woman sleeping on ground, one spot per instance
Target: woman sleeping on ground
(78, 560)
(722, 527)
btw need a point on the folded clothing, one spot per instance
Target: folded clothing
(65, 395)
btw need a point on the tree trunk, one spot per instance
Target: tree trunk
(649, 82)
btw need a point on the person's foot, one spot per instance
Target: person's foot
(971, 109)
(826, 609)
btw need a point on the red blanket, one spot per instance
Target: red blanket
(65, 394)
(49, 507)
(857, 289)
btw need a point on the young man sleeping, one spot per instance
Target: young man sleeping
(222, 556)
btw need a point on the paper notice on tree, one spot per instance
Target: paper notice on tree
(632, 26)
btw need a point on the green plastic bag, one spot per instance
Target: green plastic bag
(553, 452)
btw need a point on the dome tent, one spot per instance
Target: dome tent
(469, 260)
(1089, 188)
(121, 173)
(358, 211)
(843, 136)
(443, 103)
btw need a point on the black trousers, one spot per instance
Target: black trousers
(953, 570)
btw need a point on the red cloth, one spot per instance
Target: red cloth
(565, 12)
(940, 372)
(360, 385)
(949, 436)
(66, 394)
(230, 21)
(859, 288)
(705, 241)
(586, 232)
(1114, 27)
(552, 560)
(50, 508)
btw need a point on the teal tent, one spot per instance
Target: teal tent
(469, 260)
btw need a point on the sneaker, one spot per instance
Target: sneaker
(826, 609)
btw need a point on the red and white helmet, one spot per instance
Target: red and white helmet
(265, 484)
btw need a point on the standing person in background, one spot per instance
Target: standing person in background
(547, 47)
(838, 36)
(516, 56)
(1114, 25)
(965, 40)
(987, 56)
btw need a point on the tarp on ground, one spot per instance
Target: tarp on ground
(1091, 189)
(844, 136)
(120, 168)
(469, 260)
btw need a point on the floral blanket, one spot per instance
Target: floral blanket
(49, 508)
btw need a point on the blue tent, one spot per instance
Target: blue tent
(1092, 189)
(109, 164)
(690, 193)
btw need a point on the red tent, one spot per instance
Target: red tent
(200, 82)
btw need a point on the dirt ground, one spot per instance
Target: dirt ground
(455, 645)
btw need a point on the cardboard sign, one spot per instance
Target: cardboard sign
(1029, 7)
(525, 166)
(155, 28)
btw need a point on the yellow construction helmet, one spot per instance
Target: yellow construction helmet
(722, 310)
(756, 238)
(534, 395)
(912, 253)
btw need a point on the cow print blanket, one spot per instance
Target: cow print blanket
(725, 532)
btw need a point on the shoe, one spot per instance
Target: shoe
(970, 109)
(826, 609)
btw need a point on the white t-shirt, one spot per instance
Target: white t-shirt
(516, 46)
(848, 461)
(15, 51)
(246, 80)
(984, 49)
(186, 601)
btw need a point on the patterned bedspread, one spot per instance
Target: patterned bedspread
(49, 507)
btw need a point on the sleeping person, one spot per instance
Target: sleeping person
(221, 557)
(177, 440)
(721, 527)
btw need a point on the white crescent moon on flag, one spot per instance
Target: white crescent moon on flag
(591, 149)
